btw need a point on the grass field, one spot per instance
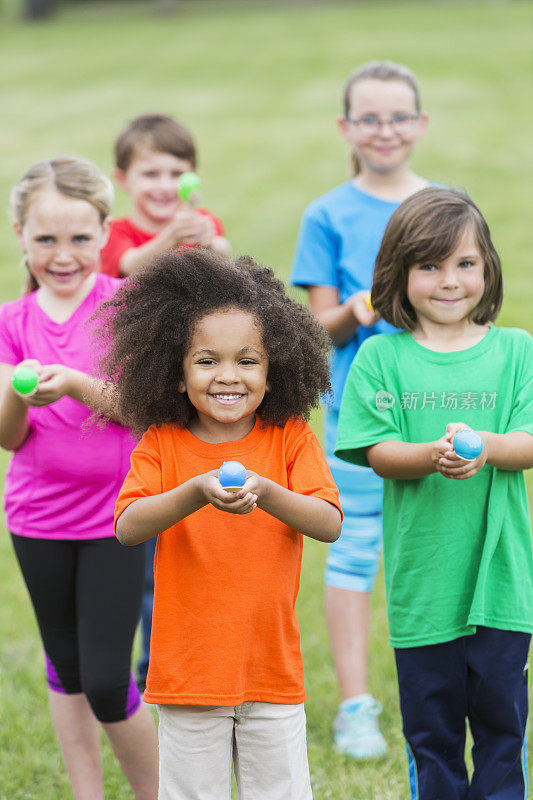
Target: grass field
(260, 86)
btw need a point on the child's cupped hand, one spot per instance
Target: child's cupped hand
(446, 460)
(54, 382)
(242, 502)
(189, 227)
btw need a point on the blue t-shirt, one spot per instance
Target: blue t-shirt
(340, 235)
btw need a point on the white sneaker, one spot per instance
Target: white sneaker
(356, 730)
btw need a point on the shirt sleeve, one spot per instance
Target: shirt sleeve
(10, 351)
(119, 241)
(521, 418)
(369, 413)
(316, 256)
(144, 476)
(308, 471)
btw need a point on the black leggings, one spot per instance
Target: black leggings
(86, 596)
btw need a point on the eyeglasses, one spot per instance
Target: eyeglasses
(370, 123)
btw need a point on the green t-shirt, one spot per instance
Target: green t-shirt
(457, 553)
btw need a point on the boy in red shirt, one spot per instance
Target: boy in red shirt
(150, 155)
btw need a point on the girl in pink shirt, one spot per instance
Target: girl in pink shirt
(64, 476)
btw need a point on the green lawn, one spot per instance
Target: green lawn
(260, 86)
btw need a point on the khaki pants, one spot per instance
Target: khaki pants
(266, 742)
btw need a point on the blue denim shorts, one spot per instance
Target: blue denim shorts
(353, 560)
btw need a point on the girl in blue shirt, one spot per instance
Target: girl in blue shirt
(339, 239)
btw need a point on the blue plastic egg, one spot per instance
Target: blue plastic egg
(232, 476)
(467, 444)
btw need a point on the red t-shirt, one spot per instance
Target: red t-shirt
(224, 628)
(123, 235)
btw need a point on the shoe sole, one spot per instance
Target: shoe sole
(346, 750)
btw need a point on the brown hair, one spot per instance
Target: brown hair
(427, 227)
(157, 132)
(381, 71)
(71, 177)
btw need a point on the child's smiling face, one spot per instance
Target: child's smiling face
(225, 374)
(61, 237)
(387, 146)
(152, 181)
(446, 293)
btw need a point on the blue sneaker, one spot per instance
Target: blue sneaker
(356, 730)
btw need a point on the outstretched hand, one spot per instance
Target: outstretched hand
(446, 460)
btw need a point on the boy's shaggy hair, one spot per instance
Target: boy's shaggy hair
(425, 228)
(157, 132)
(146, 329)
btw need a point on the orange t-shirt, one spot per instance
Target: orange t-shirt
(224, 628)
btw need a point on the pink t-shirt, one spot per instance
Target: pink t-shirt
(63, 481)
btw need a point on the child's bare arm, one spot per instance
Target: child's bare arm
(13, 412)
(312, 516)
(511, 451)
(404, 460)
(399, 460)
(340, 320)
(187, 227)
(57, 380)
(508, 451)
(149, 516)
(95, 394)
(182, 229)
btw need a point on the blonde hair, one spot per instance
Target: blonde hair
(71, 177)
(380, 71)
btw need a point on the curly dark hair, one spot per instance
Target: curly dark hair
(146, 328)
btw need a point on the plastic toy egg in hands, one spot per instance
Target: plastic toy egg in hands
(232, 476)
(368, 301)
(467, 444)
(24, 380)
(189, 187)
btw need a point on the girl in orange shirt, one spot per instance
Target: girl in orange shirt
(216, 363)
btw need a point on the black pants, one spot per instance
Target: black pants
(482, 678)
(86, 595)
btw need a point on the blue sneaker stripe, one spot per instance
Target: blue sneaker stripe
(413, 774)
(524, 769)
